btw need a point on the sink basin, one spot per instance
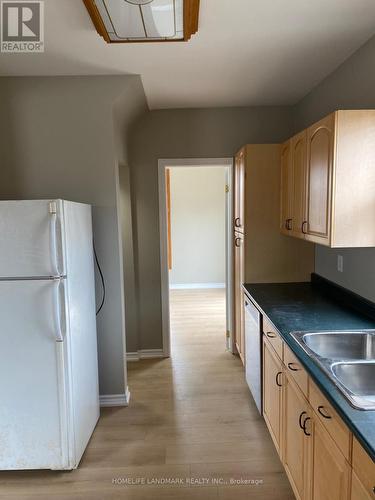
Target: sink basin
(342, 345)
(357, 379)
(348, 358)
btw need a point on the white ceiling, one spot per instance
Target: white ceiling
(247, 52)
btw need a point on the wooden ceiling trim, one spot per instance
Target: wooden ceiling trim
(191, 20)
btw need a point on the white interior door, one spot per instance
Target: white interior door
(32, 401)
(31, 239)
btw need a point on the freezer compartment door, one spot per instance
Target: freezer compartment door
(31, 239)
(34, 405)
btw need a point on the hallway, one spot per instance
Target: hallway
(190, 416)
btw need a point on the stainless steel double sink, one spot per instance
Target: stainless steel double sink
(348, 358)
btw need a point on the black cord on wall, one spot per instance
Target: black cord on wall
(102, 280)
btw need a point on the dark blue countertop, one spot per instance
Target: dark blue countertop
(306, 307)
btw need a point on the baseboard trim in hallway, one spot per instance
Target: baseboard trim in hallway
(145, 354)
(111, 400)
(196, 286)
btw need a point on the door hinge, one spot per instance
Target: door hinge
(226, 188)
(52, 207)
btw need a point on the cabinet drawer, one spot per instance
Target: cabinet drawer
(364, 467)
(273, 337)
(330, 420)
(296, 370)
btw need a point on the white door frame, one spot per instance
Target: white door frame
(194, 162)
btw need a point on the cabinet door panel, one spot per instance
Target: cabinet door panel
(295, 442)
(272, 387)
(239, 191)
(331, 472)
(359, 492)
(286, 189)
(239, 276)
(299, 183)
(319, 173)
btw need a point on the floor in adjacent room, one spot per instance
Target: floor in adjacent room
(191, 421)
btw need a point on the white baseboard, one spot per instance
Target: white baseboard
(195, 286)
(145, 354)
(108, 400)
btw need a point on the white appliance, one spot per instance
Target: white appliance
(49, 403)
(253, 351)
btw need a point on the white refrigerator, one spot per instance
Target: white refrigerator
(49, 403)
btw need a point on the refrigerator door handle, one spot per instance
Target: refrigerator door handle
(58, 284)
(53, 238)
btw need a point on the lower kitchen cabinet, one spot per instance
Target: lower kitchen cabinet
(296, 438)
(364, 471)
(330, 470)
(319, 454)
(272, 392)
(359, 492)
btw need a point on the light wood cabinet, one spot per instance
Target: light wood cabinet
(273, 337)
(272, 392)
(286, 188)
(296, 438)
(296, 371)
(332, 165)
(320, 144)
(317, 449)
(359, 491)
(264, 255)
(298, 159)
(239, 191)
(293, 186)
(364, 468)
(330, 471)
(331, 421)
(239, 279)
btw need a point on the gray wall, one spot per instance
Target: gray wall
(131, 307)
(351, 86)
(197, 215)
(185, 133)
(57, 140)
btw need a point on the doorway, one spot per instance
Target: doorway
(195, 205)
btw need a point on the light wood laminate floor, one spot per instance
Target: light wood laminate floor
(191, 420)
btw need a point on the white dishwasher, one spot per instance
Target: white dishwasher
(253, 351)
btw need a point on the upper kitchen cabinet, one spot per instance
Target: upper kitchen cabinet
(298, 156)
(293, 180)
(332, 165)
(286, 188)
(320, 157)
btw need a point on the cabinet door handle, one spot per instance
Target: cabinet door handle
(237, 222)
(288, 224)
(237, 242)
(304, 224)
(271, 335)
(324, 415)
(300, 419)
(278, 383)
(304, 426)
(291, 366)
